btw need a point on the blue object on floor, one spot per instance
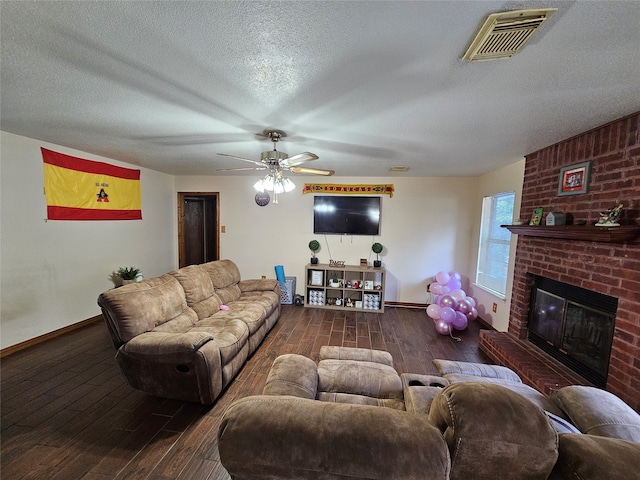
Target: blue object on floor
(280, 273)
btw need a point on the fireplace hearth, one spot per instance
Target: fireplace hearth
(574, 325)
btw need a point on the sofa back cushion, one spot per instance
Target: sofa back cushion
(140, 307)
(198, 290)
(493, 432)
(225, 277)
(598, 412)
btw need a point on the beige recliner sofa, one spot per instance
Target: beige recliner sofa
(172, 338)
(352, 416)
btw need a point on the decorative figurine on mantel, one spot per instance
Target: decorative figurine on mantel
(610, 217)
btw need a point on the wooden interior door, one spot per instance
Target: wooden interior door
(198, 218)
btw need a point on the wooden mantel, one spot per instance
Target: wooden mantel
(589, 233)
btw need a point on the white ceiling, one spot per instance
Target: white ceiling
(364, 85)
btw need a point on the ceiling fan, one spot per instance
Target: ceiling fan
(276, 162)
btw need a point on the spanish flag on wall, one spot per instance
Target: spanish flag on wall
(77, 189)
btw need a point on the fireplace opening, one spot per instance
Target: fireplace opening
(573, 325)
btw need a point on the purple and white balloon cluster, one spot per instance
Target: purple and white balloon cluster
(451, 307)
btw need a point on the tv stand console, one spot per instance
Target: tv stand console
(348, 287)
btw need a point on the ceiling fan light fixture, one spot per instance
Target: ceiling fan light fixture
(259, 185)
(288, 184)
(268, 182)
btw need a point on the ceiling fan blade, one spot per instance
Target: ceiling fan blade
(312, 171)
(298, 159)
(239, 169)
(243, 159)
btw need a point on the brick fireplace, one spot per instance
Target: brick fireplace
(610, 267)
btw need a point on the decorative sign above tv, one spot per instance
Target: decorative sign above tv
(346, 215)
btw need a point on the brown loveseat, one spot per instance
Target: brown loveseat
(351, 416)
(171, 336)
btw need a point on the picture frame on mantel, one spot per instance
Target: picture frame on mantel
(574, 179)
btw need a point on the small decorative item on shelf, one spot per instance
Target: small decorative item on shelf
(377, 248)
(314, 246)
(556, 218)
(536, 216)
(610, 217)
(128, 274)
(334, 281)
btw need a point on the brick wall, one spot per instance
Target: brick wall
(610, 268)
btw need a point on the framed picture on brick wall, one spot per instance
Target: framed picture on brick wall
(574, 179)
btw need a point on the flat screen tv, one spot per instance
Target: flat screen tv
(346, 215)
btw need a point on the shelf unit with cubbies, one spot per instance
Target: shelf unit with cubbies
(357, 288)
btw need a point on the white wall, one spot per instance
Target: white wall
(505, 179)
(426, 227)
(52, 272)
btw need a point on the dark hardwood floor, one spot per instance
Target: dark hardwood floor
(68, 414)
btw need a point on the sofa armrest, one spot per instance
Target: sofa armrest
(258, 285)
(591, 457)
(292, 438)
(166, 345)
(292, 375)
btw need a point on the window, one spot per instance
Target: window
(495, 243)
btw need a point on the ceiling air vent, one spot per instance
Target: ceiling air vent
(504, 34)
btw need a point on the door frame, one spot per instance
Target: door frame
(181, 199)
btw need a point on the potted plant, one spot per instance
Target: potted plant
(314, 246)
(377, 248)
(128, 274)
(335, 281)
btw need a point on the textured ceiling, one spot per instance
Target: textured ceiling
(364, 85)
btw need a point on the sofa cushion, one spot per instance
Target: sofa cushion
(591, 457)
(526, 391)
(225, 277)
(179, 324)
(250, 313)
(348, 398)
(293, 375)
(493, 432)
(223, 273)
(140, 307)
(359, 378)
(328, 352)
(476, 369)
(598, 412)
(268, 299)
(198, 290)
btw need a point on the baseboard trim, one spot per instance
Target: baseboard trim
(405, 304)
(484, 324)
(47, 336)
